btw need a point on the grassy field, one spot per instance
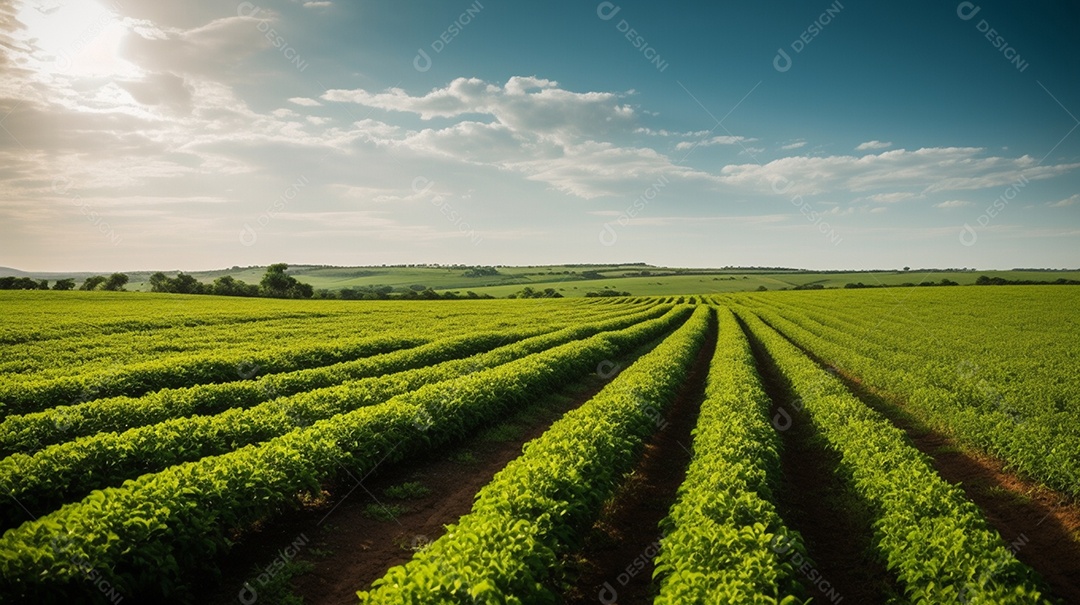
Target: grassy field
(721, 282)
(140, 431)
(577, 280)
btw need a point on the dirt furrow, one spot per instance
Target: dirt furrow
(616, 564)
(351, 537)
(1040, 526)
(814, 500)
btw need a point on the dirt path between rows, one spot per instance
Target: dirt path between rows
(1041, 526)
(616, 564)
(834, 522)
(349, 549)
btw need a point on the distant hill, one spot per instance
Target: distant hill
(639, 279)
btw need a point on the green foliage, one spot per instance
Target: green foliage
(61, 472)
(724, 541)
(147, 535)
(181, 284)
(93, 282)
(26, 283)
(507, 549)
(966, 363)
(481, 272)
(938, 543)
(528, 292)
(115, 282)
(384, 512)
(409, 490)
(277, 284)
(135, 379)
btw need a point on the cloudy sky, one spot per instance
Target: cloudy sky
(139, 134)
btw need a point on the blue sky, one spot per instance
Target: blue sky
(196, 135)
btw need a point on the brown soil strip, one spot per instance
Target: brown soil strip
(1041, 526)
(616, 563)
(814, 500)
(349, 550)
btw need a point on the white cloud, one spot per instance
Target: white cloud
(574, 142)
(1069, 201)
(872, 146)
(932, 169)
(794, 145)
(717, 140)
(663, 221)
(668, 133)
(210, 50)
(527, 104)
(305, 102)
(951, 204)
(889, 198)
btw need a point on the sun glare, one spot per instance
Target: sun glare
(74, 37)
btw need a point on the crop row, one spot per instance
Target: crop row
(62, 472)
(20, 397)
(97, 353)
(1043, 442)
(230, 355)
(26, 433)
(534, 510)
(724, 541)
(153, 535)
(935, 540)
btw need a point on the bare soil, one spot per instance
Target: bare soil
(815, 500)
(1042, 526)
(349, 549)
(616, 564)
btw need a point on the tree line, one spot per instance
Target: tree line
(114, 282)
(275, 283)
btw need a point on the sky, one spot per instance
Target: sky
(139, 134)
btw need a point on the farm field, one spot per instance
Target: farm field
(914, 445)
(573, 281)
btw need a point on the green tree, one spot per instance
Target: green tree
(159, 282)
(115, 282)
(226, 285)
(92, 282)
(64, 284)
(277, 284)
(186, 284)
